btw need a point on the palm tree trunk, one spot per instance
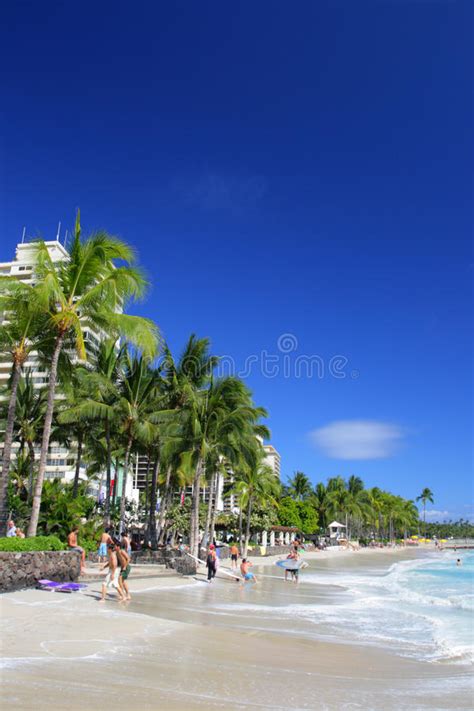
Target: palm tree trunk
(147, 476)
(209, 511)
(247, 527)
(7, 447)
(214, 509)
(164, 503)
(194, 526)
(124, 483)
(31, 467)
(53, 376)
(240, 525)
(152, 534)
(114, 493)
(108, 480)
(75, 486)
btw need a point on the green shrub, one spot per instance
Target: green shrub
(38, 543)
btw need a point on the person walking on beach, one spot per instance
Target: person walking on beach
(73, 546)
(104, 540)
(112, 578)
(123, 559)
(125, 542)
(211, 563)
(234, 556)
(247, 575)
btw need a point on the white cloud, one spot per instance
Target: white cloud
(357, 439)
(432, 513)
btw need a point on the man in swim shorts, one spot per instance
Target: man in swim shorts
(247, 575)
(104, 539)
(123, 559)
(234, 556)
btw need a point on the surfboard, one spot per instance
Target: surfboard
(290, 564)
(60, 587)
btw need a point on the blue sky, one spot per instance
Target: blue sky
(297, 182)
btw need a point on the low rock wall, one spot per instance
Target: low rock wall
(23, 570)
(170, 557)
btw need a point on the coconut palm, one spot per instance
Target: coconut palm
(88, 290)
(29, 416)
(22, 328)
(299, 486)
(426, 495)
(256, 484)
(320, 502)
(99, 396)
(138, 393)
(182, 378)
(219, 419)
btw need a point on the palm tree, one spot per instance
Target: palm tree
(182, 379)
(30, 409)
(426, 495)
(18, 336)
(299, 486)
(256, 484)
(219, 418)
(138, 388)
(320, 499)
(97, 404)
(86, 290)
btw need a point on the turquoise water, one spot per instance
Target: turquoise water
(422, 608)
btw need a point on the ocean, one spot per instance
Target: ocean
(421, 608)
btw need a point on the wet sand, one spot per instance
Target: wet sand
(183, 644)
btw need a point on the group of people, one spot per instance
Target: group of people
(212, 564)
(117, 553)
(14, 531)
(114, 554)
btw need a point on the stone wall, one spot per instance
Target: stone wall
(23, 570)
(170, 557)
(269, 550)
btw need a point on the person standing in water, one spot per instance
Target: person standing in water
(211, 563)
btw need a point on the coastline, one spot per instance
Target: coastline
(175, 646)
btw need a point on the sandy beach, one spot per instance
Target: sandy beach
(183, 644)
